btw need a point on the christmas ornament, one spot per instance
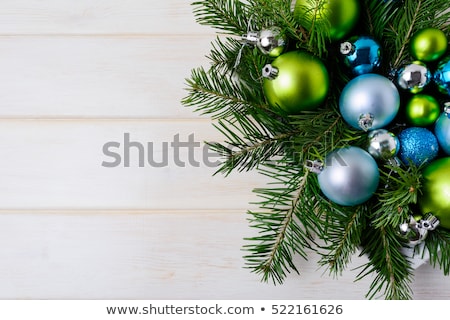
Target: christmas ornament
(418, 145)
(422, 110)
(428, 44)
(369, 101)
(442, 129)
(417, 230)
(349, 176)
(435, 197)
(361, 54)
(269, 41)
(383, 145)
(414, 77)
(339, 15)
(295, 81)
(442, 76)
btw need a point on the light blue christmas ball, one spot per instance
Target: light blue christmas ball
(418, 145)
(442, 132)
(350, 176)
(361, 54)
(442, 76)
(369, 102)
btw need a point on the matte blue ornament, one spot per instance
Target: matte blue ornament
(418, 145)
(361, 54)
(442, 130)
(349, 177)
(442, 76)
(369, 102)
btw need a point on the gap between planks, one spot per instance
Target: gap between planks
(165, 211)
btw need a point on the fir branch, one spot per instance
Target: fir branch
(438, 245)
(400, 186)
(219, 97)
(268, 13)
(342, 235)
(229, 16)
(285, 224)
(224, 55)
(386, 260)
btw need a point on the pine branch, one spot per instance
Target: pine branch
(393, 271)
(399, 191)
(342, 235)
(219, 97)
(438, 245)
(285, 224)
(229, 16)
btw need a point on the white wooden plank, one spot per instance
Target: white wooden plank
(58, 164)
(184, 255)
(97, 17)
(79, 77)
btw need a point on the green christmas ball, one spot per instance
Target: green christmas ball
(428, 44)
(422, 110)
(339, 15)
(436, 191)
(295, 81)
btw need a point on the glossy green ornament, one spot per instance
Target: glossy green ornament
(436, 191)
(422, 110)
(339, 15)
(295, 81)
(428, 44)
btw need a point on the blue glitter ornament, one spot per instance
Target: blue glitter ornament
(442, 130)
(350, 176)
(418, 145)
(442, 76)
(361, 54)
(369, 102)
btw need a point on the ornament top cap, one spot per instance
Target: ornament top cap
(315, 166)
(447, 109)
(347, 48)
(270, 72)
(250, 38)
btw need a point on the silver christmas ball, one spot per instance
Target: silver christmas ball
(349, 176)
(383, 145)
(269, 41)
(414, 77)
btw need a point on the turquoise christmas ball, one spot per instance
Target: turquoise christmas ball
(350, 176)
(442, 132)
(442, 76)
(361, 54)
(369, 102)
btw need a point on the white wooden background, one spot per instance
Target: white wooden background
(77, 74)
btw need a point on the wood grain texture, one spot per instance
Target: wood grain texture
(158, 255)
(104, 17)
(97, 77)
(59, 165)
(78, 74)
